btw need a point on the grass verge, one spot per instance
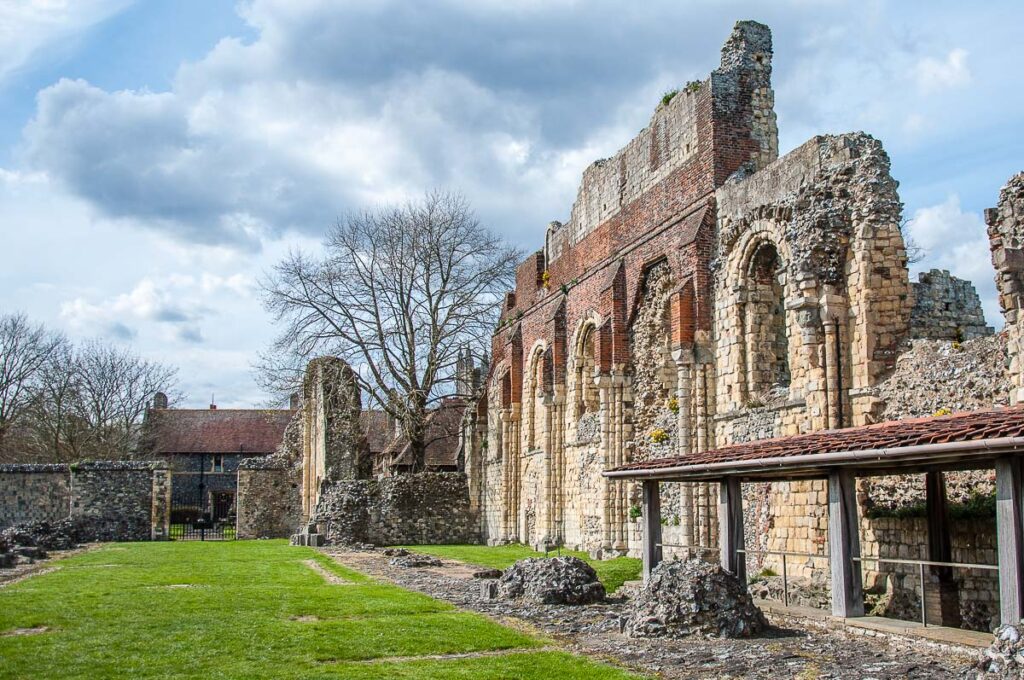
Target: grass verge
(250, 609)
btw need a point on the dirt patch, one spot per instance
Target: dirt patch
(25, 631)
(306, 618)
(331, 578)
(464, 655)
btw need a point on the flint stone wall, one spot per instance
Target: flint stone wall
(107, 500)
(114, 500)
(946, 308)
(33, 493)
(269, 499)
(422, 508)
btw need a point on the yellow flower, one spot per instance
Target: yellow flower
(673, 405)
(659, 436)
(943, 412)
(545, 278)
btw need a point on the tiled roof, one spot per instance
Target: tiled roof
(959, 427)
(375, 427)
(251, 431)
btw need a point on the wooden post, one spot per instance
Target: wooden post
(730, 527)
(652, 527)
(844, 545)
(943, 605)
(1009, 536)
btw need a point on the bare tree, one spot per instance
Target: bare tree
(24, 349)
(398, 293)
(115, 386)
(915, 251)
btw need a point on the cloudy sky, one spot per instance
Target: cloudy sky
(156, 157)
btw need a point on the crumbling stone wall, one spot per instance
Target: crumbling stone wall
(946, 308)
(421, 508)
(1006, 240)
(334, 444)
(33, 493)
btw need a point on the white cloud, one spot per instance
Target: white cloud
(27, 27)
(934, 75)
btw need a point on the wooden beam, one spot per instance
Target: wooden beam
(730, 527)
(1010, 539)
(652, 527)
(844, 545)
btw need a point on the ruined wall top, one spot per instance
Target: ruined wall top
(946, 308)
(681, 131)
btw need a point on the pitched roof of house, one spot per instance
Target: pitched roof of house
(377, 429)
(443, 430)
(911, 440)
(250, 431)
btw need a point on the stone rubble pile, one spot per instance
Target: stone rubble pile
(27, 543)
(693, 597)
(554, 580)
(931, 375)
(1004, 658)
(409, 560)
(804, 592)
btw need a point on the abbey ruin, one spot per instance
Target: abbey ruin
(706, 292)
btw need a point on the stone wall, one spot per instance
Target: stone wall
(421, 508)
(1006, 241)
(33, 493)
(108, 500)
(946, 308)
(114, 500)
(269, 499)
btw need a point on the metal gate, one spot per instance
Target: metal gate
(198, 513)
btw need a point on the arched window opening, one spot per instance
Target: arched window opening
(770, 333)
(587, 395)
(536, 404)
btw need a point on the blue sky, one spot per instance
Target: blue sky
(157, 157)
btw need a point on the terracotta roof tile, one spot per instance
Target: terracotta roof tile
(959, 427)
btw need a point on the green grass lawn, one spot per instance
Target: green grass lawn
(248, 609)
(613, 573)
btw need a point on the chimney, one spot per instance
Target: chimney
(159, 400)
(293, 401)
(213, 407)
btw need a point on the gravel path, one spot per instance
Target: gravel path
(593, 631)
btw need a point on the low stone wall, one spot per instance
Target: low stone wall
(423, 508)
(34, 493)
(269, 501)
